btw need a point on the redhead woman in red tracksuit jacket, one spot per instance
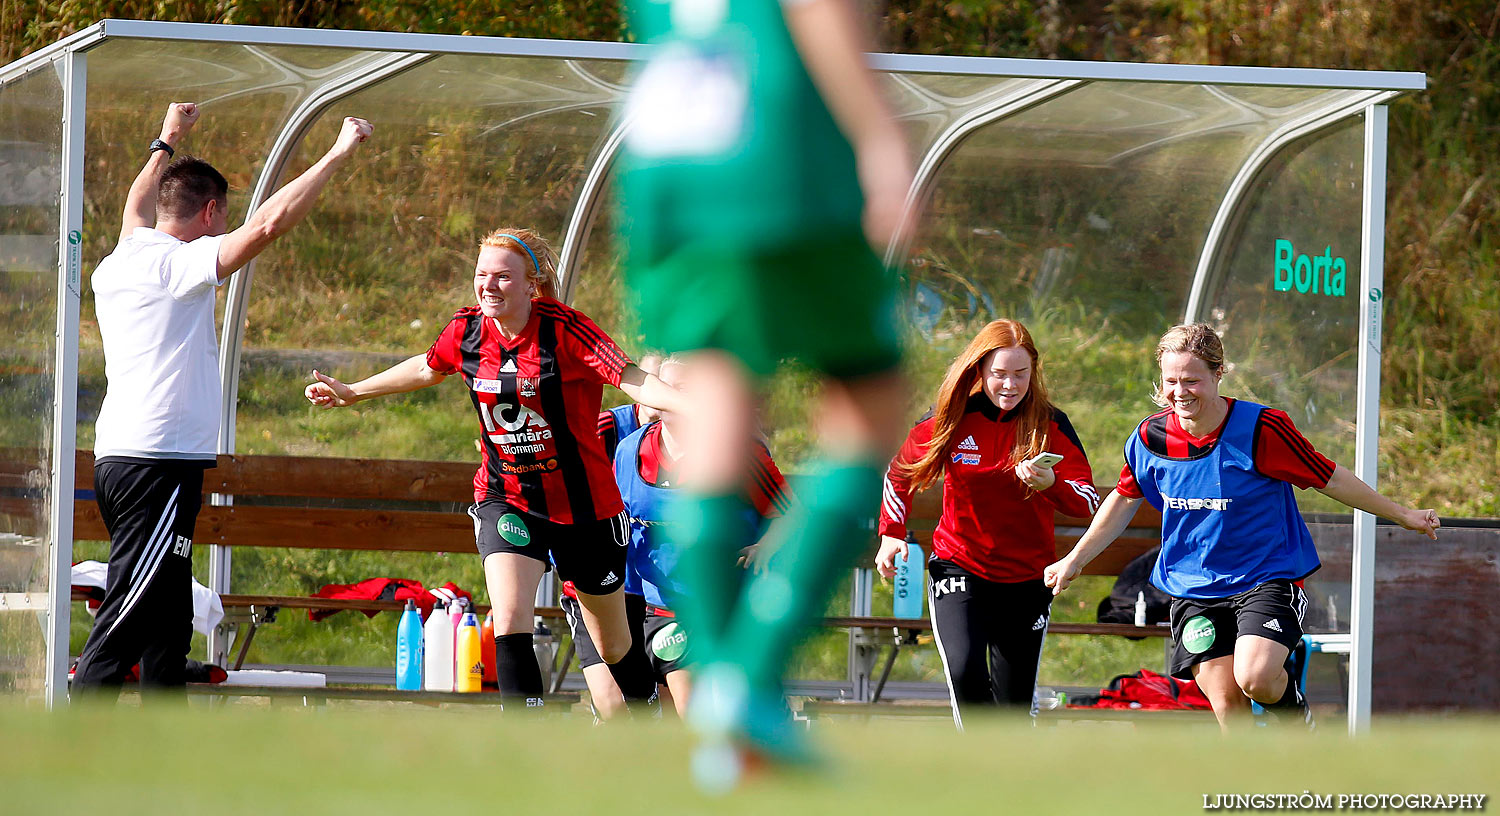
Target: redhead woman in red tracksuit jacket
(989, 605)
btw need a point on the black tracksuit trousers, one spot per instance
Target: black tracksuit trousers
(989, 636)
(149, 508)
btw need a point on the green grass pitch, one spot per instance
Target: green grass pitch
(477, 760)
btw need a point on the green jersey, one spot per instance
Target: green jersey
(729, 139)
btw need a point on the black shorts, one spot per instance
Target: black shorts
(583, 643)
(591, 554)
(666, 645)
(1206, 629)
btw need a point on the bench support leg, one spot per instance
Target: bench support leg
(562, 670)
(885, 672)
(257, 617)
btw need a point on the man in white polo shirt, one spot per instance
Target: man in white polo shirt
(158, 428)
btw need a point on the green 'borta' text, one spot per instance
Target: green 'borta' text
(1316, 274)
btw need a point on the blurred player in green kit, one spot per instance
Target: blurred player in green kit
(762, 164)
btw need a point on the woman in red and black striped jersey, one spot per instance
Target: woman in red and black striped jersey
(1234, 546)
(535, 370)
(989, 605)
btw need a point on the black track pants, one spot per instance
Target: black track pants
(147, 613)
(989, 636)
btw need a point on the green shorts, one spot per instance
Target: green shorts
(828, 303)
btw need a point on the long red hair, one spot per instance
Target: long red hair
(964, 379)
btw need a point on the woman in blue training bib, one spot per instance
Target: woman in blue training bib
(1234, 546)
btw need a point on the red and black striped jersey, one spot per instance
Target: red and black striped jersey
(1281, 451)
(993, 525)
(765, 488)
(538, 398)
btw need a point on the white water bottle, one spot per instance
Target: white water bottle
(437, 656)
(1140, 608)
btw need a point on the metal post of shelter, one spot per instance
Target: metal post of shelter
(1367, 413)
(587, 207)
(72, 68)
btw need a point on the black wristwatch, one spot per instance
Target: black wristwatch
(158, 144)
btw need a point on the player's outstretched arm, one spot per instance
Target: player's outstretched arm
(289, 205)
(1113, 517)
(140, 202)
(832, 43)
(650, 391)
(1345, 487)
(408, 375)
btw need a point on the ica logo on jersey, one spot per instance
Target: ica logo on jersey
(525, 431)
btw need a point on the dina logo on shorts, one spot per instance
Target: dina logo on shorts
(513, 529)
(1198, 635)
(670, 642)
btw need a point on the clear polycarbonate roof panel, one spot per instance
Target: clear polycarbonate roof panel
(31, 112)
(1064, 193)
(1290, 289)
(247, 94)
(1288, 305)
(1094, 196)
(929, 104)
(463, 145)
(1085, 216)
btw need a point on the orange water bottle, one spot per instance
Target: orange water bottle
(487, 649)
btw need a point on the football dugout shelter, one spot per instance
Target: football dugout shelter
(1114, 199)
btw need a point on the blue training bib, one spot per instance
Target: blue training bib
(652, 558)
(1225, 528)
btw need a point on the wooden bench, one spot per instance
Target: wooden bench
(870, 634)
(293, 502)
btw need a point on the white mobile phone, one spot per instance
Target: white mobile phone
(1044, 460)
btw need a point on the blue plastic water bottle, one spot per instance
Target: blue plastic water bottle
(911, 583)
(409, 649)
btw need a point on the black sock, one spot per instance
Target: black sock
(1290, 698)
(633, 675)
(516, 669)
